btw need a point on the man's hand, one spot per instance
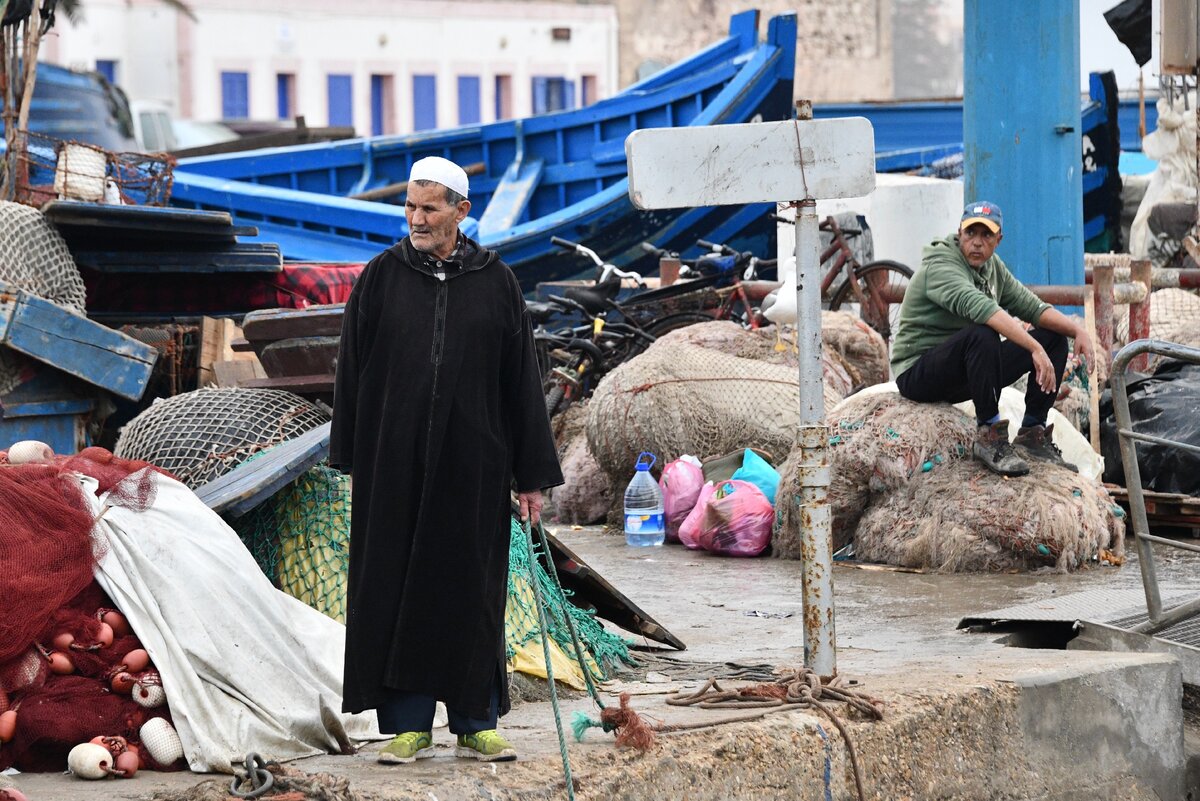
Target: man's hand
(530, 503)
(1044, 371)
(1083, 347)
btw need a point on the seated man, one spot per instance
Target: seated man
(948, 344)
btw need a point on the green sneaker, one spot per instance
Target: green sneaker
(407, 747)
(487, 746)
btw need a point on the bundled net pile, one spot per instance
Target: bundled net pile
(586, 493)
(34, 257)
(603, 651)
(703, 390)
(861, 349)
(877, 442)
(301, 539)
(964, 518)
(202, 435)
(59, 663)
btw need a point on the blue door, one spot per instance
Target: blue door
(424, 102)
(1020, 154)
(235, 95)
(552, 93)
(378, 87)
(341, 100)
(107, 68)
(468, 99)
(285, 84)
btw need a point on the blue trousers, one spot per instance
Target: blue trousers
(405, 711)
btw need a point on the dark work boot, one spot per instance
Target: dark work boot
(1038, 443)
(996, 452)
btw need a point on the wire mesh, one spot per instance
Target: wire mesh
(49, 169)
(201, 435)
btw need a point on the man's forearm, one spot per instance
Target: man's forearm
(1054, 320)
(1011, 329)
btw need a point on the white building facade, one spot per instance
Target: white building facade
(381, 66)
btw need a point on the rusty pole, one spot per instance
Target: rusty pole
(816, 532)
(1139, 313)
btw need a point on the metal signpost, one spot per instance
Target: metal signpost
(793, 160)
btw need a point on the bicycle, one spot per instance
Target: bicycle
(874, 286)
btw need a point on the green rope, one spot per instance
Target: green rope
(543, 618)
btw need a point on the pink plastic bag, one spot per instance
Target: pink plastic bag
(689, 530)
(736, 520)
(680, 483)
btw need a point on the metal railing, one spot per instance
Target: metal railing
(1159, 618)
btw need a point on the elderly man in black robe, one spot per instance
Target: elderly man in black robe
(438, 415)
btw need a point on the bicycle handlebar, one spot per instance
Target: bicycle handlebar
(607, 270)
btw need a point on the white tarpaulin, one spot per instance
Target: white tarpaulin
(245, 666)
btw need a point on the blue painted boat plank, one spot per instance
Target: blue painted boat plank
(74, 344)
(248, 485)
(511, 197)
(64, 433)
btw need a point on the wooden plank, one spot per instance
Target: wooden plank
(74, 344)
(212, 350)
(227, 260)
(300, 384)
(236, 372)
(275, 324)
(587, 587)
(300, 356)
(246, 486)
(511, 196)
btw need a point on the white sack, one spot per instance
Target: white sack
(245, 667)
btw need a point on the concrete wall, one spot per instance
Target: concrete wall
(164, 56)
(905, 213)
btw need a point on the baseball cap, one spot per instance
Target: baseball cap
(982, 211)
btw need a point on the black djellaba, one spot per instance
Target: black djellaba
(438, 411)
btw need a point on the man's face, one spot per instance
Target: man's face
(432, 222)
(978, 243)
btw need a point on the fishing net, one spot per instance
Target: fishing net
(862, 351)
(288, 784)
(34, 257)
(301, 539)
(1174, 317)
(962, 518)
(703, 390)
(877, 442)
(586, 492)
(603, 651)
(201, 435)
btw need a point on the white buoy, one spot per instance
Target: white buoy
(30, 451)
(90, 761)
(161, 740)
(149, 696)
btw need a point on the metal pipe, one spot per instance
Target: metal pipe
(816, 532)
(1060, 295)
(1133, 474)
(1139, 313)
(1160, 279)
(1140, 437)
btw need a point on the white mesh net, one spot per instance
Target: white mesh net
(202, 435)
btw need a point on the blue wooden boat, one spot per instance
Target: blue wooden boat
(561, 174)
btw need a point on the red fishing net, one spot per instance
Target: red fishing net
(58, 658)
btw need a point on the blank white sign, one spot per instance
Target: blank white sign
(759, 162)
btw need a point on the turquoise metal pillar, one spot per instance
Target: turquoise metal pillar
(1021, 117)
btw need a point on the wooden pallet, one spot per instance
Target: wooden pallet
(1164, 508)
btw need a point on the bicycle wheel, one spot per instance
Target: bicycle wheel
(675, 321)
(876, 309)
(554, 399)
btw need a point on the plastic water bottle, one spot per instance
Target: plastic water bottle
(644, 506)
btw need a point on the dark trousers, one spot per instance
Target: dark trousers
(975, 365)
(403, 711)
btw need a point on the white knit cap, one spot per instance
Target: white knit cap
(443, 171)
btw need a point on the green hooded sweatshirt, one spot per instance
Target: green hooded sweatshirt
(947, 294)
